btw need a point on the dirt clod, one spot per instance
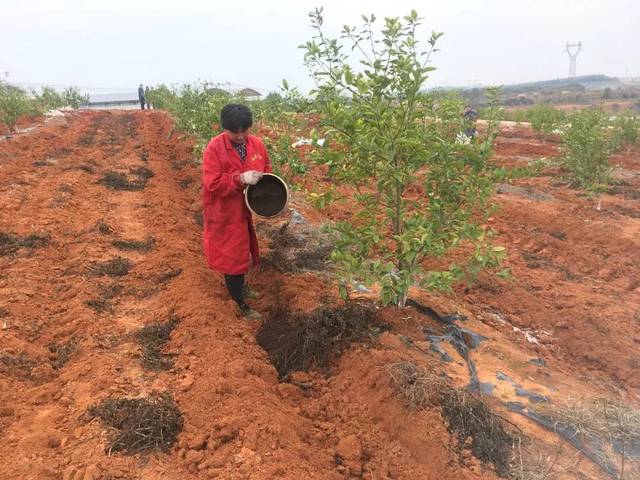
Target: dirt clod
(349, 448)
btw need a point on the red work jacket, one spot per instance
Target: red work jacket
(229, 237)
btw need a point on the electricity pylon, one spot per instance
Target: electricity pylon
(577, 48)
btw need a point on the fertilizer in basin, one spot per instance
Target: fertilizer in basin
(268, 197)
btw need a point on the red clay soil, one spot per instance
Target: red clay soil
(23, 123)
(240, 421)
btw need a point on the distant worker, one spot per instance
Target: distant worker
(141, 96)
(231, 161)
(470, 116)
(147, 97)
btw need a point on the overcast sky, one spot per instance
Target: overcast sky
(116, 44)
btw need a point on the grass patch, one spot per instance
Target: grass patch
(298, 341)
(152, 338)
(595, 421)
(467, 415)
(116, 267)
(416, 386)
(10, 243)
(137, 245)
(477, 427)
(140, 424)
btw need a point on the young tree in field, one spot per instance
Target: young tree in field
(587, 146)
(14, 103)
(49, 98)
(545, 119)
(71, 97)
(626, 130)
(418, 193)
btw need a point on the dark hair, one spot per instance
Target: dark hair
(236, 117)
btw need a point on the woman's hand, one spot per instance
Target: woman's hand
(250, 177)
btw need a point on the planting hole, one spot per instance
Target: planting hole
(299, 341)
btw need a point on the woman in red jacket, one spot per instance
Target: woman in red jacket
(231, 161)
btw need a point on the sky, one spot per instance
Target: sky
(113, 45)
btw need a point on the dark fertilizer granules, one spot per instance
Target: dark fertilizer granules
(138, 245)
(84, 168)
(104, 228)
(308, 249)
(116, 267)
(142, 172)
(169, 275)
(185, 183)
(99, 305)
(152, 338)
(120, 181)
(103, 302)
(198, 218)
(140, 424)
(475, 425)
(10, 243)
(18, 366)
(298, 341)
(268, 197)
(63, 352)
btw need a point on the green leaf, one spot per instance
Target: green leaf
(344, 294)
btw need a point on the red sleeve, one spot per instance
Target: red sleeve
(217, 182)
